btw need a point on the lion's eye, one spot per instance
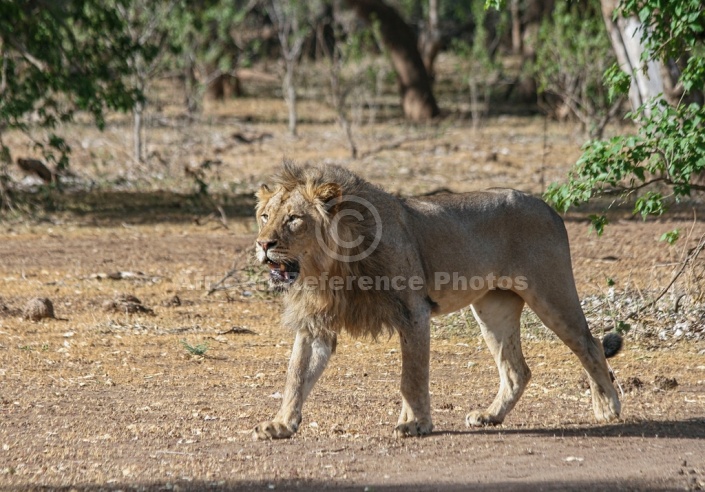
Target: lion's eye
(293, 218)
(264, 218)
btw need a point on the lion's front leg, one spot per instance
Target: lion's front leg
(415, 418)
(309, 358)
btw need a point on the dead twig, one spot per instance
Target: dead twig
(219, 284)
(692, 255)
(393, 145)
(237, 330)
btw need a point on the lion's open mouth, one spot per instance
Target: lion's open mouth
(283, 273)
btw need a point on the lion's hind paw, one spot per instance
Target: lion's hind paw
(478, 418)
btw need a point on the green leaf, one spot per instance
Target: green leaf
(623, 327)
(598, 223)
(494, 4)
(671, 236)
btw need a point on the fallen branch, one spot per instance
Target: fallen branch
(691, 256)
(393, 145)
(219, 284)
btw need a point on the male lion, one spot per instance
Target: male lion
(333, 241)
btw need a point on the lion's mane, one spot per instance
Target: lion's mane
(359, 312)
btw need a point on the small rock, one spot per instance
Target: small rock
(664, 383)
(583, 382)
(38, 308)
(633, 384)
(128, 298)
(126, 303)
(173, 301)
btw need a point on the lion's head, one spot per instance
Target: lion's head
(288, 218)
(318, 224)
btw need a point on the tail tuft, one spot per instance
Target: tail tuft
(612, 344)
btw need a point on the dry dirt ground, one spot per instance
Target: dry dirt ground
(101, 398)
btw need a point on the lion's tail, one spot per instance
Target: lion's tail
(612, 344)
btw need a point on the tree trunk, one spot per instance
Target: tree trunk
(289, 89)
(648, 80)
(137, 113)
(430, 42)
(417, 98)
(516, 26)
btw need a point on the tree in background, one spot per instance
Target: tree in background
(430, 38)
(214, 39)
(146, 23)
(476, 62)
(417, 99)
(57, 58)
(572, 54)
(663, 162)
(293, 23)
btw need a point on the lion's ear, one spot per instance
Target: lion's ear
(263, 194)
(329, 191)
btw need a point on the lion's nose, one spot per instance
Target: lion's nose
(265, 245)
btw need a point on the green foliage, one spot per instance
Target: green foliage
(197, 350)
(573, 54)
(672, 27)
(617, 81)
(494, 4)
(598, 223)
(671, 236)
(623, 327)
(668, 149)
(57, 58)
(202, 36)
(476, 60)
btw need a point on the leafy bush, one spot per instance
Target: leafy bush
(668, 149)
(572, 55)
(57, 58)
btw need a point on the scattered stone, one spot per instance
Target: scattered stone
(37, 168)
(633, 384)
(127, 304)
(4, 310)
(583, 382)
(173, 301)
(125, 275)
(664, 383)
(237, 330)
(38, 308)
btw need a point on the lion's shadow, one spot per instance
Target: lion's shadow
(693, 428)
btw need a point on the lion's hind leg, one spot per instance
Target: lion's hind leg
(498, 314)
(560, 311)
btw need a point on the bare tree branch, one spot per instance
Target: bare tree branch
(694, 253)
(22, 50)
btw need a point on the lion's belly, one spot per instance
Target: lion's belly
(450, 300)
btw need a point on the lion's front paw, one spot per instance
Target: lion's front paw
(478, 418)
(272, 430)
(412, 429)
